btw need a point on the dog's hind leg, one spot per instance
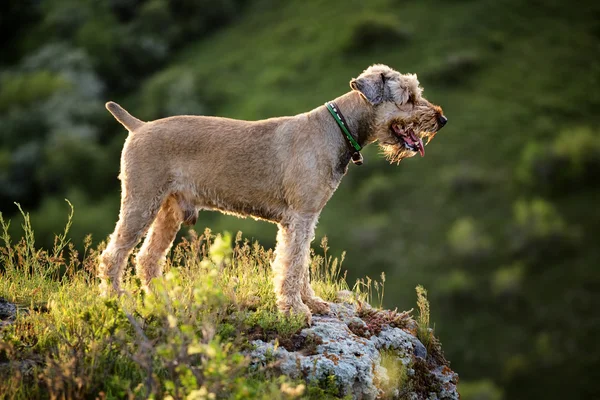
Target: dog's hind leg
(134, 220)
(150, 259)
(292, 256)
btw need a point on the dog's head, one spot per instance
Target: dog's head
(402, 116)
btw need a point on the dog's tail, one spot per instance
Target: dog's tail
(127, 120)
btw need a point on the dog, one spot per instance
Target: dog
(282, 170)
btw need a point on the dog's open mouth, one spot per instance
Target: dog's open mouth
(410, 139)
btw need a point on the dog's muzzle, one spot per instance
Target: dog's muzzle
(409, 138)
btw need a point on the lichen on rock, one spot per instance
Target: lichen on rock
(353, 361)
(8, 311)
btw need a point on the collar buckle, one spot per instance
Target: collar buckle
(355, 148)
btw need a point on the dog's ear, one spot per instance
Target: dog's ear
(370, 86)
(405, 89)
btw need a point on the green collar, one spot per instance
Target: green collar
(341, 121)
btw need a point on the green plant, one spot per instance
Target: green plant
(456, 68)
(326, 274)
(424, 332)
(508, 280)
(480, 390)
(568, 162)
(455, 282)
(539, 220)
(467, 240)
(369, 290)
(181, 339)
(370, 31)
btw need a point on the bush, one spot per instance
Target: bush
(479, 390)
(571, 161)
(508, 280)
(374, 31)
(467, 240)
(25, 89)
(456, 68)
(174, 92)
(49, 124)
(466, 178)
(74, 162)
(538, 219)
(456, 282)
(538, 226)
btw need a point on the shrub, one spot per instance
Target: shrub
(456, 68)
(377, 192)
(479, 390)
(24, 89)
(538, 219)
(538, 226)
(507, 280)
(53, 94)
(455, 282)
(467, 240)
(372, 31)
(571, 161)
(466, 178)
(173, 92)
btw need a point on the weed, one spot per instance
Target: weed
(327, 278)
(367, 290)
(424, 332)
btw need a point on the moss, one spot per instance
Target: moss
(422, 381)
(397, 375)
(375, 320)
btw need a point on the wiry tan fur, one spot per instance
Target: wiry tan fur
(282, 170)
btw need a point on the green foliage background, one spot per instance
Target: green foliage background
(499, 221)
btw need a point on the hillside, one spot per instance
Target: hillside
(498, 221)
(208, 329)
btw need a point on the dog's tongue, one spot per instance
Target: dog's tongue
(410, 137)
(417, 142)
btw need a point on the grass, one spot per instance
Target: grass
(424, 331)
(183, 339)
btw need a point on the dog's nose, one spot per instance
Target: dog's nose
(442, 121)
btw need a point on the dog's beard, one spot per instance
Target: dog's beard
(394, 149)
(396, 152)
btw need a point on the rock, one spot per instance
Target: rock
(447, 379)
(345, 346)
(8, 311)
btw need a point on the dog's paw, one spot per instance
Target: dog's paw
(317, 305)
(295, 307)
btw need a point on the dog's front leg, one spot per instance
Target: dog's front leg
(292, 256)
